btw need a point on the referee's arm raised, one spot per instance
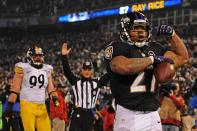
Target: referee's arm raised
(67, 71)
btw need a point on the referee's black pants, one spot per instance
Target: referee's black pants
(82, 120)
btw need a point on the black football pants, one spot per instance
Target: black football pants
(82, 120)
(15, 123)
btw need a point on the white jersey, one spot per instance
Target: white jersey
(34, 83)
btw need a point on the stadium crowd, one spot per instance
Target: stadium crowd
(52, 7)
(87, 45)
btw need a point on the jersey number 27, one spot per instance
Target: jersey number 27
(138, 84)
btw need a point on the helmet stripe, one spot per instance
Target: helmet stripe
(140, 16)
(137, 15)
(143, 17)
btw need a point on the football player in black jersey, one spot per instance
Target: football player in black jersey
(130, 62)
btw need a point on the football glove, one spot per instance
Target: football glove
(8, 112)
(161, 59)
(165, 30)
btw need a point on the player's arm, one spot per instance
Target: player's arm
(179, 53)
(52, 91)
(51, 88)
(16, 86)
(14, 92)
(125, 66)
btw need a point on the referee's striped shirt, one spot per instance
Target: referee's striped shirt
(85, 90)
(86, 93)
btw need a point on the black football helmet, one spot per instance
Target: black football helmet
(32, 52)
(128, 22)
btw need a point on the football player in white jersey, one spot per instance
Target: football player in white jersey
(33, 80)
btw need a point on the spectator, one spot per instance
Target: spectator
(98, 122)
(194, 128)
(193, 102)
(108, 115)
(15, 121)
(187, 119)
(170, 107)
(59, 115)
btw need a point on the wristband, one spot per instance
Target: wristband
(51, 92)
(14, 92)
(152, 59)
(173, 33)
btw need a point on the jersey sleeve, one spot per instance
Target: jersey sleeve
(114, 49)
(19, 68)
(160, 50)
(49, 69)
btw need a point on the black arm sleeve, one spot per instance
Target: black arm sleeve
(67, 71)
(103, 80)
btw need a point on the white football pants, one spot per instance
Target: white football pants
(128, 120)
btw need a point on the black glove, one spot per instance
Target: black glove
(55, 101)
(8, 112)
(165, 30)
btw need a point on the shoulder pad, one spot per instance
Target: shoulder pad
(48, 67)
(154, 43)
(19, 67)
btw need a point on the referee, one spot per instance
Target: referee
(86, 90)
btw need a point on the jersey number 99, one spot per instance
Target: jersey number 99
(33, 80)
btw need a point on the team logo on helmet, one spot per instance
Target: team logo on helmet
(33, 51)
